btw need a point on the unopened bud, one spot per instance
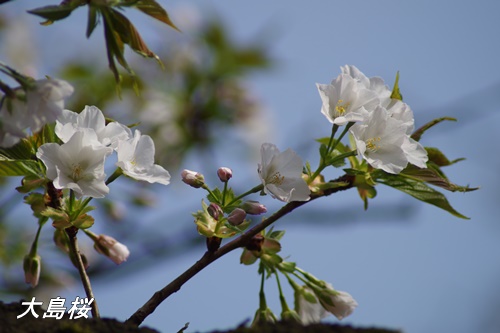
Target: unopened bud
(215, 211)
(253, 207)
(32, 266)
(111, 248)
(193, 178)
(224, 174)
(237, 216)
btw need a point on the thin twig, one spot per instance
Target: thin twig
(158, 297)
(75, 252)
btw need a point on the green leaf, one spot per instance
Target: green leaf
(432, 177)
(277, 235)
(155, 10)
(215, 196)
(55, 214)
(418, 133)
(83, 221)
(36, 202)
(91, 20)
(114, 46)
(57, 12)
(30, 183)
(21, 151)
(129, 35)
(396, 94)
(418, 190)
(9, 168)
(438, 158)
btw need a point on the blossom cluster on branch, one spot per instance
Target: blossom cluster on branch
(62, 154)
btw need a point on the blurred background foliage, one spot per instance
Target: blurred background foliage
(185, 107)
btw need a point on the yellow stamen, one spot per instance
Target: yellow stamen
(371, 144)
(277, 179)
(341, 108)
(77, 172)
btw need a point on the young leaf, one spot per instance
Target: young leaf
(57, 12)
(91, 20)
(431, 176)
(30, 183)
(83, 221)
(418, 133)
(129, 35)
(9, 167)
(155, 10)
(396, 94)
(55, 214)
(418, 190)
(438, 158)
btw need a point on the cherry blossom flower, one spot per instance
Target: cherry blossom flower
(91, 118)
(374, 84)
(44, 103)
(136, 159)
(281, 174)
(346, 100)
(309, 312)
(414, 151)
(339, 303)
(379, 140)
(77, 164)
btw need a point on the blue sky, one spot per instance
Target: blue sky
(423, 272)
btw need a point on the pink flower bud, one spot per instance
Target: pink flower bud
(32, 266)
(224, 174)
(237, 216)
(253, 207)
(111, 248)
(193, 178)
(215, 211)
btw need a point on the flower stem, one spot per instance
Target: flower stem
(224, 194)
(118, 172)
(34, 246)
(73, 248)
(330, 148)
(344, 132)
(284, 305)
(206, 188)
(262, 294)
(255, 189)
(334, 130)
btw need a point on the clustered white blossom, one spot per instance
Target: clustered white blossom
(383, 125)
(78, 164)
(43, 103)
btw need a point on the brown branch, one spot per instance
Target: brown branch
(158, 297)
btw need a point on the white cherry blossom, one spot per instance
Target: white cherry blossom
(91, 118)
(77, 164)
(346, 100)
(136, 159)
(379, 140)
(44, 103)
(309, 312)
(281, 174)
(339, 303)
(375, 84)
